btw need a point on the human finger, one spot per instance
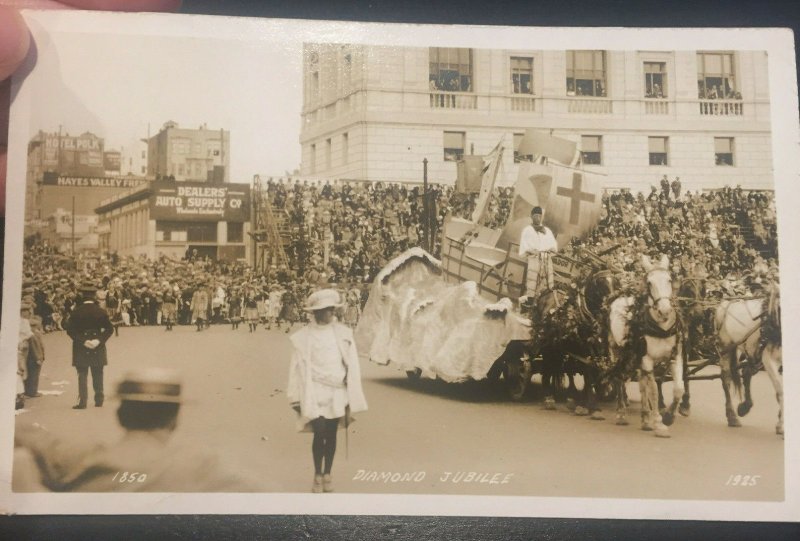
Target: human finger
(107, 5)
(14, 44)
(14, 41)
(125, 5)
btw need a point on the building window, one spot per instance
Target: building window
(144, 154)
(235, 231)
(202, 232)
(328, 154)
(586, 73)
(450, 69)
(454, 143)
(659, 154)
(591, 149)
(715, 76)
(181, 146)
(313, 158)
(521, 75)
(181, 169)
(171, 231)
(655, 79)
(345, 147)
(723, 150)
(517, 157)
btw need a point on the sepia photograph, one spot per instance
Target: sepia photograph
(413, 267)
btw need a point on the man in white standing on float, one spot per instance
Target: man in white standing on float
(536, 244)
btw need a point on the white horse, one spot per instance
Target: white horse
(749, 327)
(662, 343)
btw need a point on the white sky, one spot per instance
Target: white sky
(115, 85)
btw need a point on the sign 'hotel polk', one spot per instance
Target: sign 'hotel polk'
(69, 173)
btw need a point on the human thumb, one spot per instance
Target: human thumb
(14, 41)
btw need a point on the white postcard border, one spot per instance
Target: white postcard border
(786, 157)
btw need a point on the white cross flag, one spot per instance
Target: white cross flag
(571, 199)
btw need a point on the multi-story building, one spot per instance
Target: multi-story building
(65, 175)
(178, 219)
(375, 112)
(133, 159)
(61, 154)
(197, 155)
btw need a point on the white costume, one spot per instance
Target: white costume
(535, 245)
(324, 374)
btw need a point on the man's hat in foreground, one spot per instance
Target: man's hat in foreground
(324, 298)
(150, 385)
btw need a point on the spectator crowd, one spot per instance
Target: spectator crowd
(342, 234)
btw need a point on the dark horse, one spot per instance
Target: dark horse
(698, 334)
(572, 355)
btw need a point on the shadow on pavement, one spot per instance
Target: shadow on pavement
(483, 391)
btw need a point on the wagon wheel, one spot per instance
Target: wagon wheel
(415, 374)
(518, 377)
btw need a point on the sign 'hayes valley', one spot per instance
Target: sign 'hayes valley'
(54, 179)
(184, 201)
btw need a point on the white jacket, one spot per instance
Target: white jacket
(301, 389)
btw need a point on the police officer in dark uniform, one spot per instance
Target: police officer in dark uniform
(89, 327)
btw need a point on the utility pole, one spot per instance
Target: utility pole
(222, 152)
(59, 151)
(73, 226)
(425, 208)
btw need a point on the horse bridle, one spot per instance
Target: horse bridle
(604, 275)
(650, 295)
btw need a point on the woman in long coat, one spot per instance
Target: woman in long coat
(352, 311)
(324, 381)
(274, 305)
(199, 306)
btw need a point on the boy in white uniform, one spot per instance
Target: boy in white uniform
(537, 243)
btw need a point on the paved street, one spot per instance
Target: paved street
(428, 433)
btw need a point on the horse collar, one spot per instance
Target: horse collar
(652, 328)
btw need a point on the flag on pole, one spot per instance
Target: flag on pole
(469, 174)
(571, 199)
(537, 144)
(491, 164)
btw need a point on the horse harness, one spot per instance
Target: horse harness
(651, 327)
(769, 310)
(650, 295)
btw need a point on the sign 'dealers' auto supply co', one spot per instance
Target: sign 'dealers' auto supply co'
(185, 201)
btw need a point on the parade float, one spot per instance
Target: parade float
(462, 318)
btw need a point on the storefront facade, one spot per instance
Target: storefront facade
(178, 219)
